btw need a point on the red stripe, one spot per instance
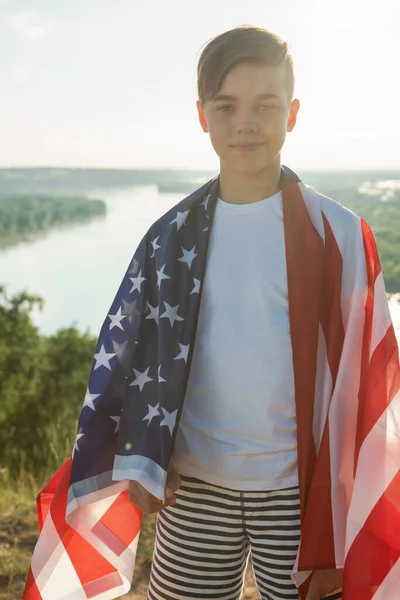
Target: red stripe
(331, 305)
(46, 495)
(304, 255)
(381, 383)
(373, 268)
(373, 262)
(318, 546)
(31, 591)
(94, 571)
(120, 524)
(376, 548)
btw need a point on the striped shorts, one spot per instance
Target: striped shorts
(204, 540)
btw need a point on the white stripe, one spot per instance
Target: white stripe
(220, 517)
(201, 486)
(379, 462)
(323, 390)
(226, 576)
(235, 559)
(83, 520)
(382, 319)
(101, 493)
(294, 524)
(390, 586)
(142, 469)
(343, 421)
(176, 596)
(346, 227)
(51, 565)
(191, 553)
(192, 565)
(175, 527)
(45, 546)
(55, 575)
(312, 201)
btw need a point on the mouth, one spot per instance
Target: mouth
(247, 147)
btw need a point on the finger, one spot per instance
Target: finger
(142, 493)
(173, 481)
(149, 502)
(143, 499)
(148, 507)
(170, 499)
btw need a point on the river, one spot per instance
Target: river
(77, 269)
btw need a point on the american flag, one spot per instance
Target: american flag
(347, 381)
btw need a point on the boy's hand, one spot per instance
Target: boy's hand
(324, 582)
(149, 503)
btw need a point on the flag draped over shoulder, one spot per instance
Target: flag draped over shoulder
(347, 382)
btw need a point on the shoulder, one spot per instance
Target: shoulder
(345, 224)
(179, 211)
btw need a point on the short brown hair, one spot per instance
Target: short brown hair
(243, 44)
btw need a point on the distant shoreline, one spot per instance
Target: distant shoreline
(32, 236)
(27, 216)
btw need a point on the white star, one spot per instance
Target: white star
(196, 289)
(135, 267)
(137, 282)
(103, 358)
(161, 379)
(78, 437)
(153, 412)
(120, 349)
(180, 219)
(141, 378)
(130, 309)
(184, 352)
(154, 312)
(155, 246)
(171, 313)
(116, 319)
(169, 419)
(117, 420)
(205, 201)
(88, 401)
(188, 256)
(161, 275)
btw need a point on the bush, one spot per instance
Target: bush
(42, 387)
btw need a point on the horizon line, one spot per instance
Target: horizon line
(204, 170)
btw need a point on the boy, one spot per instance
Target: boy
(251, 369)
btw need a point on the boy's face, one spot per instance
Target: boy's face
(252, 107)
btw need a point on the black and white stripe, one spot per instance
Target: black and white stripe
(203, 543)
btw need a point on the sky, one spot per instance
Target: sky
(113, 83)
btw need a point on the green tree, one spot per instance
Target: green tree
(42, 386)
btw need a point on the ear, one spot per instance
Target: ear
(292, 119)
(202, 117)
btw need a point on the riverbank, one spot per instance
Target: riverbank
(27, 217)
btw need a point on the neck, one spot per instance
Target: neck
(241, 188)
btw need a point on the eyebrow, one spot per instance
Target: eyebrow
(229, 98)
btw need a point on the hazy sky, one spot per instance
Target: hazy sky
(113, 82)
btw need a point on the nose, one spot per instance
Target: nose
(246, 126)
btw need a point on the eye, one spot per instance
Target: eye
(225, 107)
(267, 106)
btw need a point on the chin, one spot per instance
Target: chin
(248, 165)
(251, 168)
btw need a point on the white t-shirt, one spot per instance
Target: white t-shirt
(238, 423)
